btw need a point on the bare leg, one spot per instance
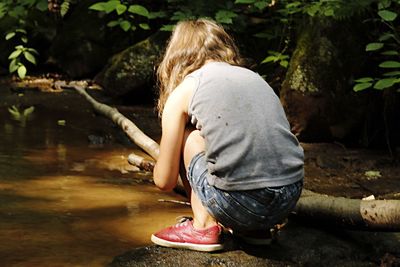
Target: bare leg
(194, 144)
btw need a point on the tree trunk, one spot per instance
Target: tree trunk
(317, 91)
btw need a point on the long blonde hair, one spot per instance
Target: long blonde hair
(192, 43)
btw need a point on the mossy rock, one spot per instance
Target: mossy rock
(132, 70)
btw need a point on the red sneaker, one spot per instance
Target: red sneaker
(184, 235)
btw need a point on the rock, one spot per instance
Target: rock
(297, 245)
(132, 70)
(158, 256)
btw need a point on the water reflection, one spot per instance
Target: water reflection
(66, 203)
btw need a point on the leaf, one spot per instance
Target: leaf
(312, 10)
(225, 16)
(21, 71)
(139, 10)
(387, 15)
(167, 28)
(179, 15)
(110, 6)
(33, 51)
(125, 25)
(113, 23)
(364, 80)
(24, 39)
(10, 35)
(373, 46)
(390, 53)
(21, 31)
(121, 9)
(13, 66)
(392, 73)
(61, 122)
(31, 58)
(385, 83)
(64, 8)
(284, 63)
(361, 86)
(384, 4)
(329, 12)
(100, 6)
(42, 6)
(158, 14)
(15, 54)
(261, 5)
(28, 3)
(390, 64)
(144, 26)
(386, 36)
(245, 1)
(269, 59)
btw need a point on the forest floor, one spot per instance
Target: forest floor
(330, 168)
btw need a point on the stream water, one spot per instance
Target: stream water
(66, 202)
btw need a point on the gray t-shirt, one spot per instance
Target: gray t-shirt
(248, 140)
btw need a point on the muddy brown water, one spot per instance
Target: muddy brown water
(66, 202)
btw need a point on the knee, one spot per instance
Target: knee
(193, 144)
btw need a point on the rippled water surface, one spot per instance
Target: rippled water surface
(66, 202)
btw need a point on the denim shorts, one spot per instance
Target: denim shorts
(243, 211)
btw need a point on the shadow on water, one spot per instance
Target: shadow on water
(66, 202)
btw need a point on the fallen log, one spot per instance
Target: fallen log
(379, 215)
(134, 133)
(141, 162)
(374, 215)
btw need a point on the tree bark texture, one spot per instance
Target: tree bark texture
(141, 162)
(317, 91)
(380, 215)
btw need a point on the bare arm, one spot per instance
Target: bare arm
(174, 119)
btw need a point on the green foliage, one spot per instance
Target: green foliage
(21, 54)
(17, 10)
(223, 12)
(276, 57)
(385, 47)
(126, 14)
(18, 59)
(65, 7)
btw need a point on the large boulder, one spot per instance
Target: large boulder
(132, 70)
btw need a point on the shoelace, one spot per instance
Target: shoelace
(182, 219)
